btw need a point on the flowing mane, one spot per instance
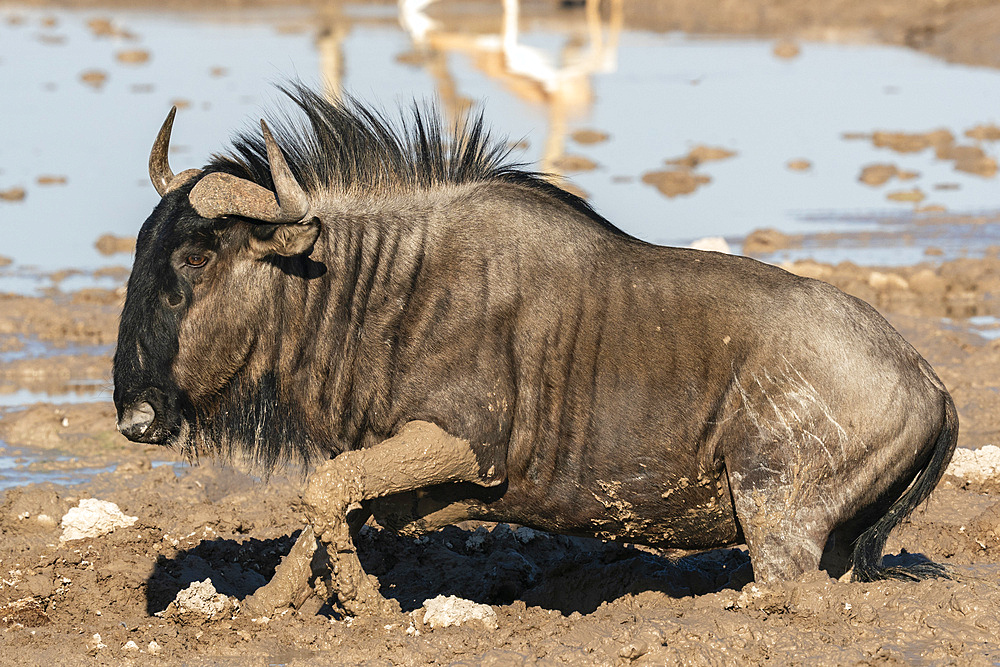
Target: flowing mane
(348, 146)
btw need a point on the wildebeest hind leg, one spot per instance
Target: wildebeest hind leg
(420, 455)
(785, 533)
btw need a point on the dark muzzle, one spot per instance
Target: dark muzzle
(135, 422)
(151, 417)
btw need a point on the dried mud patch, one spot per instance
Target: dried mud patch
(62, 321)
(959, 288)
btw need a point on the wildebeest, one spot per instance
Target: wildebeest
(444, 336)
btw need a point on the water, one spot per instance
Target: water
(33, 348)
(17, 471)
(985, 326)
(657, 95)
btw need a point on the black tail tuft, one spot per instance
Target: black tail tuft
(868, 549)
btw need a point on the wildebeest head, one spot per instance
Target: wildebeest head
(184, 331)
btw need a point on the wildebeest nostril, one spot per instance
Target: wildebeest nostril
(136, 420)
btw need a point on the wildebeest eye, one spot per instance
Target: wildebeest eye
(195, 260)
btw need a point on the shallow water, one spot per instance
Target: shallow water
(985, 326)
(85, 393)
(24, 466)
(656, 95)
(33, 348)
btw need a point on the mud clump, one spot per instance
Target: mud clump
(56, 374)
(763, 241)
(786, 49)
(977, 465)
(916, 195)
(587, 137)
(879, 174)
(960, 288)
(980, 166)
(701, 154)
(94, 78)
(25, 612)
(683, 180)
(105, 27)
(574, 163)
(13, 194)
(675, 183)
(109, 244)
(51, 180)
(987, 132)
(966, 158)
(53, 320)
(906, 142)
(133, 56)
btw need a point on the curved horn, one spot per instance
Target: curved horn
(159, 166)
(291, 198)
(220, 194)
(160, 174)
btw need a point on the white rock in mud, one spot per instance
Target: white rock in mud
(443, 611)
(477, 540)
(714, 243)
(93, 518)
(976, 465)
(198, 598)
(524, 534)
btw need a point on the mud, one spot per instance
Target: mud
(13, 194)
(968, 158)
(878, 174)
(109, 244)
(676, 182)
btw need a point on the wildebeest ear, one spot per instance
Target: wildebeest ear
(286, 240)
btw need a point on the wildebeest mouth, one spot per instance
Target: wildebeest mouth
(149, 420)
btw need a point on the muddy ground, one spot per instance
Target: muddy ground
(557, 600)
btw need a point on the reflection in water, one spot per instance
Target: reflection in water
(562, 84)
(539, 72)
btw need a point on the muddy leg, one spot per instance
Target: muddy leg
(421, 455)
(290, 579)
(785, 534)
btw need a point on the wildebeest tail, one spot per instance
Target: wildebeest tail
(868, 548)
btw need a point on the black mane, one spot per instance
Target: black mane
(349, 146)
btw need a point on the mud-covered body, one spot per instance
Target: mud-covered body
(606, 386)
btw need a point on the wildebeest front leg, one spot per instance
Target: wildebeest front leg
(420, 455)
